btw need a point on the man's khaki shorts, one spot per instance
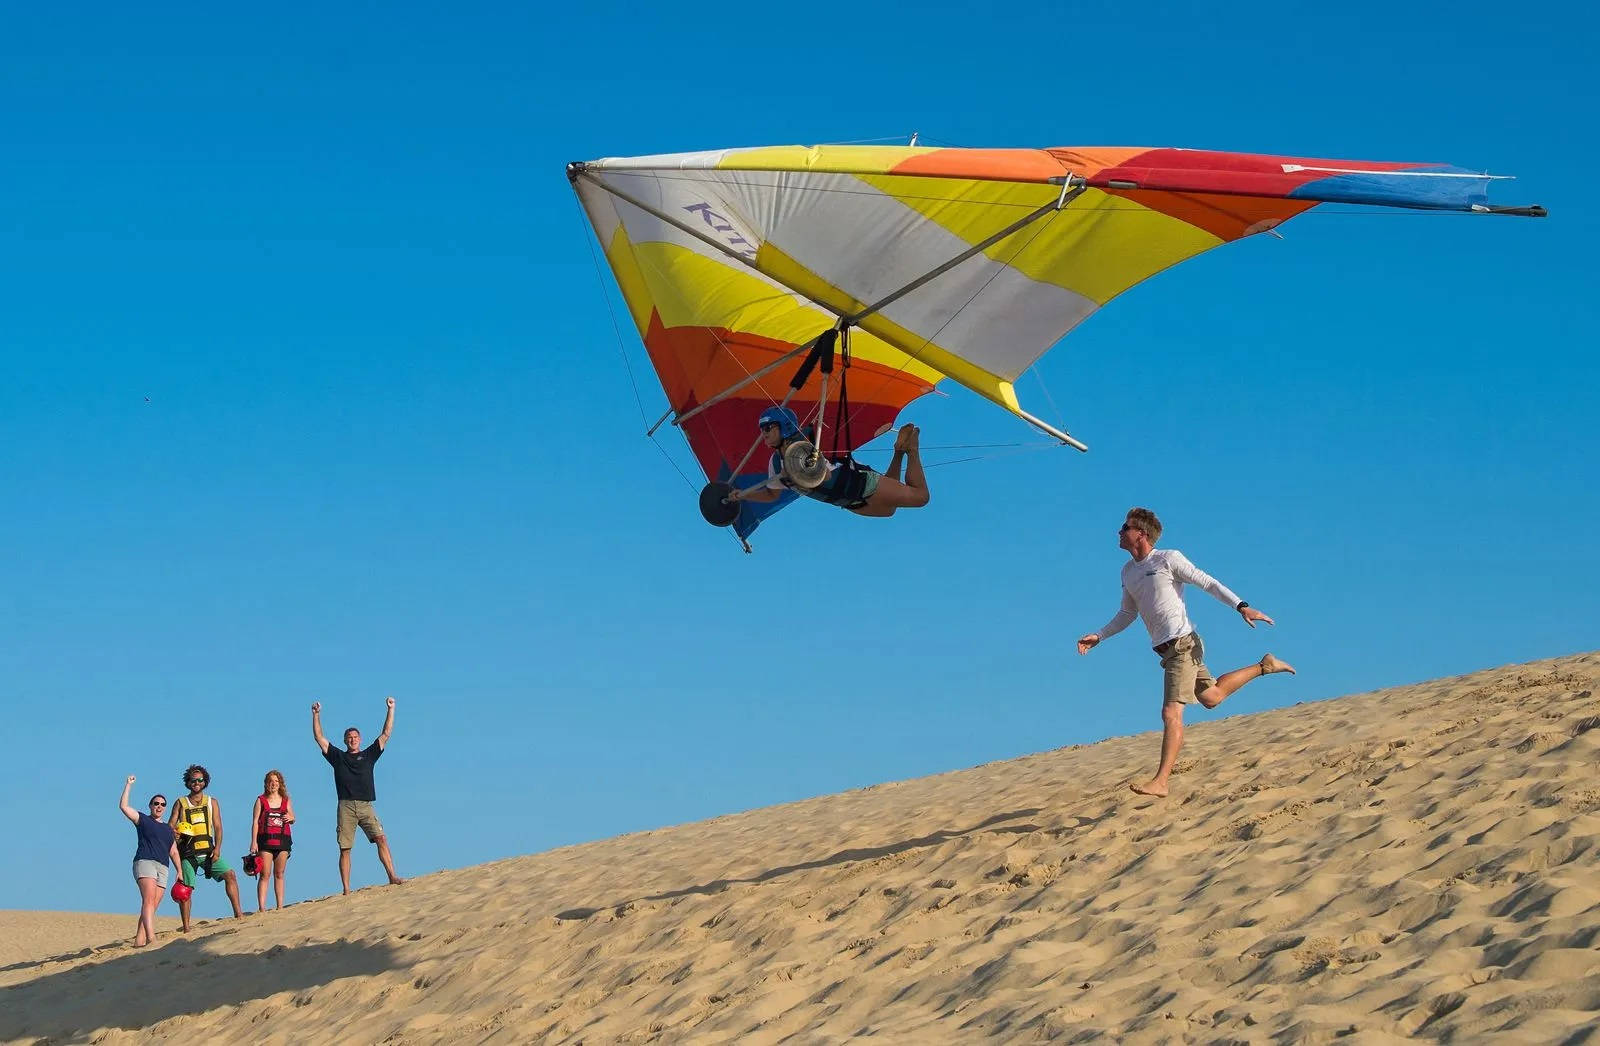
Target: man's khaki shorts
(354, 812)
(1187, 676)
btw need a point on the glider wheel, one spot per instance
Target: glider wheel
(713, 506)
(803, 465)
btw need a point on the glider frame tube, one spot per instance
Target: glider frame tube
(750, 380)
(1069, 192)
(1049, 429)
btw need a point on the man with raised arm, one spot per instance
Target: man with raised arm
(352, 780)
(1152, 589)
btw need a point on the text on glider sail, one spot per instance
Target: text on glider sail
(720, 224)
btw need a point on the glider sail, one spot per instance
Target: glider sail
(966, 264)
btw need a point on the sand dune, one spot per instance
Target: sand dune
(1419, 861)
(26, 937)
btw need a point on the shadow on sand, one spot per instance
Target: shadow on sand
(173, 979)
(991, 825)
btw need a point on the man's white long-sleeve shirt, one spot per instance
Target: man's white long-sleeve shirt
(1152, 588)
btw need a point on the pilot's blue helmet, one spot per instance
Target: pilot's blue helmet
(788, 424)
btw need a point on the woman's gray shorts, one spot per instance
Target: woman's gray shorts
(156, 870)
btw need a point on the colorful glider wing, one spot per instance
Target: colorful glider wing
(729, 260)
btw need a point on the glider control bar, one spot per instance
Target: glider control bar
(821, 350)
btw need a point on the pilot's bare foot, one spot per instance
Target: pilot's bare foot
(1151, 787)
(1270, 664)
(906, 437)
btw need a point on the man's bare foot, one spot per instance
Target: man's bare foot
(1151, 787)
(395, 880)
(903, 438)
(346, 891)
(1270, 664)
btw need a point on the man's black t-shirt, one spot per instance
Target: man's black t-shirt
(352, 774)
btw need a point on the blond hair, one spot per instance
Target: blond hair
(1145, 520)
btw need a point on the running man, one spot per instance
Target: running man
(854, 486)
(1152, 588)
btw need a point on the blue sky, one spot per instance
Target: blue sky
(311, 393)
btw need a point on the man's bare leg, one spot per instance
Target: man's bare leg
(1171, 742)
(893, 471)
(1230, 683)
(893, 494)
(231, 885)
(388, 861)
(914, 477)
(344, 869)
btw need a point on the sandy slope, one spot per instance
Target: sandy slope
(27, 936)
(1416, 861)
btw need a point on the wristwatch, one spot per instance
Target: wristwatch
(1242, 605)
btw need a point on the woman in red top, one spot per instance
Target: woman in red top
(272, 816)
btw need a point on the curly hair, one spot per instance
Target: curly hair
(194, 768)
(283, 789)
(1145, 520)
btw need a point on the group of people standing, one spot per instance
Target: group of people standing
(187, 834)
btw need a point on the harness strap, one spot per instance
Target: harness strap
(844, 486)
(841, 416)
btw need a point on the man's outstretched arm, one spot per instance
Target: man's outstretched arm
(388, 724)
(761, 494)
(316, 726)
(1121, 620)
(1189, 574)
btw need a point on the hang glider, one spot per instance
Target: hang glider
(935, 263)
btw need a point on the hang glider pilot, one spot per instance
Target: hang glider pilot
(849, 484)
